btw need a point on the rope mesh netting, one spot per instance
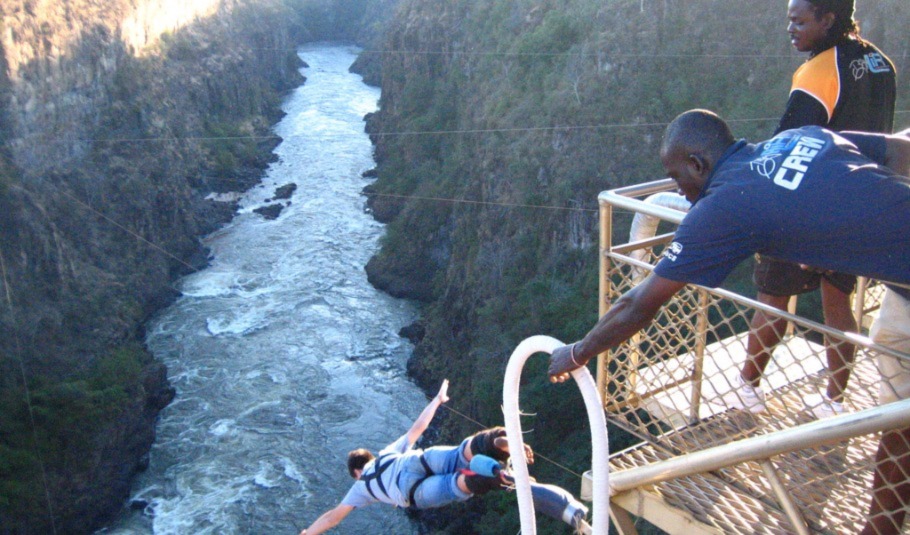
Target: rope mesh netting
(675, 385)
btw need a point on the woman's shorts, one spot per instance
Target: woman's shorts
(777, 277)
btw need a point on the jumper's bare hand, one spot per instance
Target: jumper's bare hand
(503, 444)
(443, 393)
(562, 364)
(529, 454)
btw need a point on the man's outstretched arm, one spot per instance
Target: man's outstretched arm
(328, 520)
(628, 315)
(423, 421)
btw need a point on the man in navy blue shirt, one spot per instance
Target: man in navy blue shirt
(808, 196)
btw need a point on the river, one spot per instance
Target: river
(283, 356)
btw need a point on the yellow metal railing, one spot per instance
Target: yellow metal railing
(671, 385)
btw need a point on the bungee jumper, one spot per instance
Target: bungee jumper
(403, 476)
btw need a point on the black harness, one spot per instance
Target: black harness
(427, 472)
(381, 467)
(376, 474)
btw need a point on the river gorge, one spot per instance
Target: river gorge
(283, 356)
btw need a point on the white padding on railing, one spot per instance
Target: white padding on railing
(600, 523)
(644, 225)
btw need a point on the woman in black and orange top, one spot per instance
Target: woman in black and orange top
(846, 84)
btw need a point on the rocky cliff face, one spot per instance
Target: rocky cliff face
(61, 62)
(117, 118)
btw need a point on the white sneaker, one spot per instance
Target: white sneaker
(745, 397)
(822, 407)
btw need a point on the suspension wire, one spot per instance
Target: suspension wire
(403, 133)
(536, 454)
(129, 231)
(481, 203)
(582, 54)
(596, 54)
(605, 55)
(491, 203)
(504, 130)
(390, 134)
(17, 349)
(495, 53)
(193, 269)
(453, 200)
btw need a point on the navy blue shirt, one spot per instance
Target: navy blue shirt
(807, 195)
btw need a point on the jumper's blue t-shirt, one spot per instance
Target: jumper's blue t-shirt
(808, 196)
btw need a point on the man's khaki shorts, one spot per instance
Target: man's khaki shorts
(892, 329)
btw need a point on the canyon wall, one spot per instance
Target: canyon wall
(117, 119)
(61, 60)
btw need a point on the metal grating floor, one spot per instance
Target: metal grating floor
(829, 485)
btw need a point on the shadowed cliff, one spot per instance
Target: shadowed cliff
(118, 121)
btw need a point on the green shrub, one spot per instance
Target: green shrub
(69, 417)
(229, 147)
